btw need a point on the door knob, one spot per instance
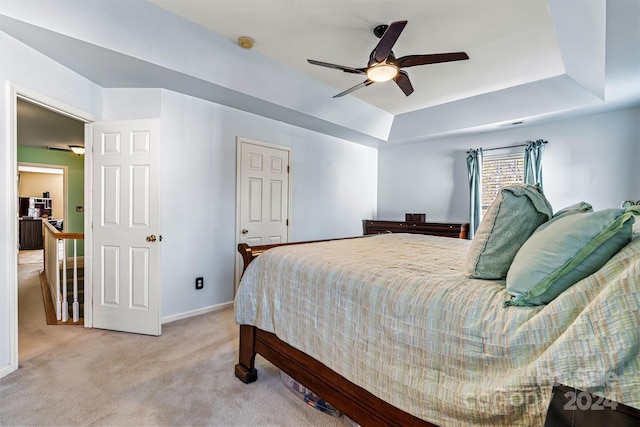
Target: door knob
(245, 231)
(151, 238)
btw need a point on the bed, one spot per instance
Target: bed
(391, 331)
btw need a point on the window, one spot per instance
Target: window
(498, 171)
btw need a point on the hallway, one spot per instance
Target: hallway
(35, 337)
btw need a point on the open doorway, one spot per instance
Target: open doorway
(104, 201)
(50, 187)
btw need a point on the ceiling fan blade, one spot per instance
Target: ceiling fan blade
(356, 87)
(388, 39)
(434, 58)
(403, 82)
(338, 67)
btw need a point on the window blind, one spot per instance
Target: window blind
(498, 171)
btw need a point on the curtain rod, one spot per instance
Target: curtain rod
(508, 146)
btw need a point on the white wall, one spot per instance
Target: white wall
(36, 73)
(333, 180)
(333, 189)
(593, 158)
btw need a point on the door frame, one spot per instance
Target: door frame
(239, 141)
(16, 91)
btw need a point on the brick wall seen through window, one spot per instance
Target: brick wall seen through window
(498, 171)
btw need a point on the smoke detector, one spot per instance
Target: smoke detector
(245, 42)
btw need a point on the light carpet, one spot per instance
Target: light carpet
(70, 375)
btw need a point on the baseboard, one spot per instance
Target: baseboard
(6, 371)
(197, 312)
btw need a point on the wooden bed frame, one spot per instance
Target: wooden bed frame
(355, 402)
(360, 405)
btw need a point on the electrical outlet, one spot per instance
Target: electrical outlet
(199, 282)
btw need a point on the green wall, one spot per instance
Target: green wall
(75, 181)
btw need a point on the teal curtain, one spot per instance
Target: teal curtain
(474, 169)
(533, 162)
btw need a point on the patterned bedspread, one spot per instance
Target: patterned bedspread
(396, 315)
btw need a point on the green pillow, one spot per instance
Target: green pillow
(565, 251)
(512, 217)
(579, 207)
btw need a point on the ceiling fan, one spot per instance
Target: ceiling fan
(384, 66)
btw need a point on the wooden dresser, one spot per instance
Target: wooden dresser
(446, 229)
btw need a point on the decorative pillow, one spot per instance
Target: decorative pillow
(565, 251)
(579, 207)
(512, 217)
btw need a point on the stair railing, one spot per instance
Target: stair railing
(55, 268)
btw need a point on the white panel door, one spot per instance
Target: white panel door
(126, 226)
(264, 194)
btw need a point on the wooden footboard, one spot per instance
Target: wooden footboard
(249, 253)
(355, 402)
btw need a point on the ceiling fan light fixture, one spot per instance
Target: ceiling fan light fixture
(382, 72)
(383, 64)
